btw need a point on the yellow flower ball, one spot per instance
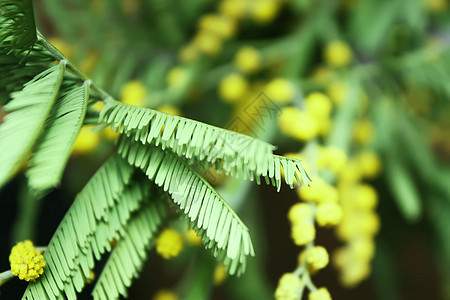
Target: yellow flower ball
(233, 8)
(177, 78)
(86, 142)
(350, 174)
(208, 43)
(221, 25)
(338, 54)
(165, 294)
(363, 132)
(280, 90)
(192, 237)
(220, 274)
(169, 243)
(133, 93)
(319, 294)
(338, 91)
(317, 258)
(331, 158)
(169, 109)
(319, 105)
(319, 191)
(303, 233)
(369, 162)
(329, 214)
(288, 287)
(366, 197)
(297, 124)
(26, 262)
(264, 11)
(362, 248)
(233, 88)
(300, 212)
(248, 60)
(354, 273)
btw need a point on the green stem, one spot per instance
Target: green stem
(60, 57)
(5, 276)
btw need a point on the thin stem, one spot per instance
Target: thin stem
(59, 56)
(5, 276)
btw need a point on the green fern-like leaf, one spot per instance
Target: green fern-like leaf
(220, 227)
(98, 215)
(55, 143)
(237, 154)
(129, 254)
(28, 112)
(18, 69)
(17, 24)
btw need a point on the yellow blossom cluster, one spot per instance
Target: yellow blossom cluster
(169, 243)
(360, 222)
(26, 262)
(306, 124)
(337, 54)
(164, 294)
(288, 287)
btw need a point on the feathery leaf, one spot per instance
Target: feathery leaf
(98, 215)
(237, 154)
(17, 24)
(128, 256)
(207, 211)
(27, 114)
(55, 143)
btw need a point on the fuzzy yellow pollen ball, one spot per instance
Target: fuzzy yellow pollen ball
(338, 54)
(280, 90)
(248, 60)
(233, 87)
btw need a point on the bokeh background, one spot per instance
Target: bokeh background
(382, 68)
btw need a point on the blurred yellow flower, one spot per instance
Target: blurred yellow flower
(329, 214)
(297, 124)
(319, 294)
(319, 105)
(280, 90)
(369, 163)
(208, 43)
(303, 233)
(363, 132)
(337, 54)
(86, 142)
(169, 243)
(248, 60)
(288, 287)
(338, 92)
(233, 87)
(133, 93)
(164, 294)
(300, 212)
(221, 25)
(220, 274)
(264, 11)
(316, 257)
(177, 78)
(233, 8)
